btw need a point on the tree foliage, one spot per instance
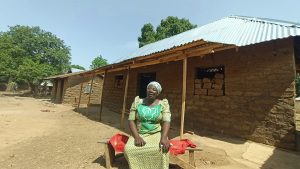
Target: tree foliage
(168, 27)
(33, 72)
(30, 54)
(99, 61)
(148, 35)
(77, 67)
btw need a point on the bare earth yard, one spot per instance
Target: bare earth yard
(35, 133)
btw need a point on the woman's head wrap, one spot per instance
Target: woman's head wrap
(156, 85)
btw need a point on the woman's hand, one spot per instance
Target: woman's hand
(139, 141)
(164, 144)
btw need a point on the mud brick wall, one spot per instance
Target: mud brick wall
(73, 86)
(257, 102)
(96, 90)
(112, 94)
(259, 94)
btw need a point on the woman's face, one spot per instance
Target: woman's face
(152, 92)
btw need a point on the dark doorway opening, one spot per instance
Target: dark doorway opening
(297, 53)
(61, 94)
(297, 62)
(144, 80)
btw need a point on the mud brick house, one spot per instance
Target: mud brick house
(77, 88)
(235, 76)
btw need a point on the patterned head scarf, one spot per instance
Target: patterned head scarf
(156, 85)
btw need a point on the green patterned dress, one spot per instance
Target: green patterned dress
(148, 120)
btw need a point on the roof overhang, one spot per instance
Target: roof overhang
(86, 73)
(197, 48)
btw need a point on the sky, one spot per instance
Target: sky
(111, 27)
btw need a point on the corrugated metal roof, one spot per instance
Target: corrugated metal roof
(69, 74)
(233, 30)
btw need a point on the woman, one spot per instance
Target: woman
(149, 122)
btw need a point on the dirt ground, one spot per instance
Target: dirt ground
(35, 133)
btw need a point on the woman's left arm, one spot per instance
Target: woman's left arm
(166, 113)
(164, 141)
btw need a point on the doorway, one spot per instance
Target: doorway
(144, 80)
(61, 92)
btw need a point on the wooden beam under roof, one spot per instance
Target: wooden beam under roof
(176, 56)
(202, 48)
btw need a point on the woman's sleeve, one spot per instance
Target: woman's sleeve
(133, 108)
(166, 113)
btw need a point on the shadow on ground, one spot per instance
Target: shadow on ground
(210, 157)
(119, 163)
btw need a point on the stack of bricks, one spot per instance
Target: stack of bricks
(210, 87)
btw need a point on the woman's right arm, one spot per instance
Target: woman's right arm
(138, 140)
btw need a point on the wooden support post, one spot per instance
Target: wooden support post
(184, 72)
(124, 99)
(109, 155)
(101, 102)
(90, 94)
(192, 158)
(79, 96)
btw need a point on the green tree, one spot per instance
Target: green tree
(99, 61)
(6, 67)
(172, 26)
(148, 35)
(168, 27)
(31, 54)
(77, 67)
(33, 72)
